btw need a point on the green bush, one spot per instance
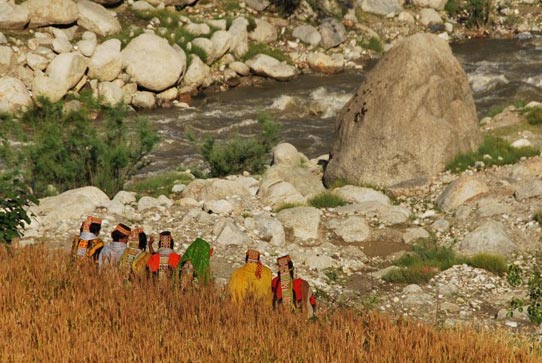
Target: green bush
(411, 275)
(261, 48)
(69, 150)
(15, 197)
(241, 153)
(451, 7)
(534, 311)
(479, 12)
(373, 44)
(284, 206)
(534, 115)
(327, 200)
(157, 185)
(499, 150)
(492, 263)
(428, 253)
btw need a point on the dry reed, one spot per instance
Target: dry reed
(52, 310)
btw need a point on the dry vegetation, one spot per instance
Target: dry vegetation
(52, 310)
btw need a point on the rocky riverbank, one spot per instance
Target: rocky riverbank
(159, 53)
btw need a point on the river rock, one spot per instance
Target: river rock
(268, 66)
(61, 45)
(13, 16)
(412, 235)
(350, 229)
(460, 191)
(382, 7)
(125, 198)
(220, 24)
(240, 68)
(239, 36)
(527, 169)
(218, 206)
(318, 262)
(307, 34)
(323, 63)
(44, 86)
(7, 59)
(405, 123)
(110, 93)
(51, 12)
(76, 203)
(521, 143)
(285, 153)
(97, 19)
(14, 96)
(142, 6)
(264, 32)
(197, 29)
(491, 237)
(67, 69)
(214, 189)
(87, 44)
(278, 192)
(147, 202)
(259, 5)
(429, 17)
(267, 228)
(434, 4)
(168, 95)
(144, 52)
(333, 33)
(196, 73)
(128, 92)
(303, 221)
(353, 194)
(143, 99)
(231, 234)
(528, 189)
(207, 46)
(221, 42)
(106, 63)
(307, 183)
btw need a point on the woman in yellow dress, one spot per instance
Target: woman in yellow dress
(252, 279)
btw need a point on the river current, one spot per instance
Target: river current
(499, 71)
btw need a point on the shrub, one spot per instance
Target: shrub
(514, 275)
(411, 275)
(241, 153)
(534, 311)
(537, 216)
(283, 206)
(500, 153)
(428, 253)
(451, 7)
(66, 150)
(479, 12)
(15, 197)
(261, 48)
(156, 185)
(327, 200)
(492, 263)
(373, 44)
(534, 115)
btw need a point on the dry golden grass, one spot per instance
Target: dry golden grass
(52, 310)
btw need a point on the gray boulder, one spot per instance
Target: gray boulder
(231, 234)
(265, 65)
(196, 73)
(13, 16)
(7, 60)
(214, 189)
(333, 33)
(142, 55)
(111, 93)
(382, 7)
(97, 19)
(405, 123)
(51, 12)
(259, 5)
(323, 63)
(264, 32)
(267, 228)
(460, 191)
(143, 100)
(350, 229)
(47, 87)
(430, 17)
(106, 62)
(221, 42)
(303, 221)
(353, 194)
(239, 36)
(14, 96)
(307, 34)
(67, 69)
(434, 4)
(490, 237)
(87, 44)
(528, 189)
(207, 46)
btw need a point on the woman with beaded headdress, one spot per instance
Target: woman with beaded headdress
(133, 262)
(253, 278)
(86, 244)
(162, 263)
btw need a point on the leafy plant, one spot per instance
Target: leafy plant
(327, 200)
(537, 216)
(479, 12)
(159, 184)
(373, 44)
(499, 151)
(15, 197)
(451, 7)
(534, 310)
(489, 262)
(534, 115)
(261, 48)
(514, 275)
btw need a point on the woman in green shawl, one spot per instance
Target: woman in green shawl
(195, 264)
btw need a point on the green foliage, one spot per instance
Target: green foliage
(492, 263)
(451, 7)
(479, 12)
(327, 200)
(15, 197)
(534, 115)
(534, 310)
(286, 7)
(537, 217)
(283, 206)
(66, 150)
(159, 184)
(231, 5)
(411, 275)
(200, 52)
(373, 44)
(514, 275)
(428, 254)
(126, 34)
(240, 154)
(333, 274)
(261, 48)
(500, 152)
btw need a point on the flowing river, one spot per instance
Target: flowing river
(499, 71)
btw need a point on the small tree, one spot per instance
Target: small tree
(15, 197)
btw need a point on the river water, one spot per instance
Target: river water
(499, 71)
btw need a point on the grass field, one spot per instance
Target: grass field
(52, 310)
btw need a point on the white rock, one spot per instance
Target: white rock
(265, 65)
(178, 188)
(14, 96)
(196, 73)
(264, 32)
(350, 229)
(96, 18)
(354, 194)
(518, 144)
(491, 237)
(111, 93)
(147, 202)
(165, 201)
(460, 191)
(221, 42)
(143, 100)
(61, 45)
(231, 234)
(429, 16)
(106, 62)
(13, 16)
(125, 197)
(414, 234)
(67, 69)
(218, 206)
(240, 68)
(303, 221)
(307, 34)
(51, 12)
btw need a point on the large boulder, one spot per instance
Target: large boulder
(460, 191)
(51, 12)
(239, 36)
(96, 18)
(412, 115)
(382, 7)
(142, 55)
(7, 60)
(268, 66)
(434, 4)
(333, 33)
(264, 32)
(196, 73)
(44, 86)
(307, 34)
(67, 69)
(214, 189)
(13, 95)
(302, 221)
(13, 16)
(491, 237)
(106, 63)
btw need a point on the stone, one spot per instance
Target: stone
(491, 237)
(239, 36)
(412, 235)
(207, 46)
(333, 33)
(125, 198)
(13, 16)
(307, 34)
(460, 191)
(62, 45)
(196, 73)
(382, 7)
(51, 12)
(323, 63)
(267, 66)
(350, 229)
(110, 93)
(285, 153)
(95, 18)
(406, 17)
(440, 225)
(528, 189)
(405, 123)
(143, 99)
(147, 202)
(168, 95)
(307, 183)
(144, 52)
(165, 201)
(142, 6)
(214, 189)
(258, 5)
(218, 207)
(106, 62)
(220, 24)
(240, 68)
(303, 221)
(264, 32)
(434, 4)
(231, 234)
(353, 194)
(267, 228)
(527, 169)
(430, 17)
(197, 29)
(128, 92)
(47, 87)
(318, 262)
(14, 97)
(67, 69)
(221, 42)
(7, 59)
(521, 143)
(87, 45)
